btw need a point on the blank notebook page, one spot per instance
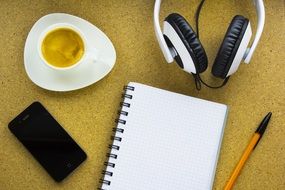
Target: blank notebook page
(170, 141)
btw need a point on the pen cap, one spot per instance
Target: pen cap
(262, 126)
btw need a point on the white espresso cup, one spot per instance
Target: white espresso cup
(89, 54)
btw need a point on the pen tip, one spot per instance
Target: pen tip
(263, 124)
(269, 115)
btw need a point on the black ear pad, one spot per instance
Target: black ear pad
(229, 46)
(190, 40)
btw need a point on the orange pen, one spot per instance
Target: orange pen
(252, 144)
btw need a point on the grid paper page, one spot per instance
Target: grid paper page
(170, 141)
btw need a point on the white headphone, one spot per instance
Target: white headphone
(179, 42)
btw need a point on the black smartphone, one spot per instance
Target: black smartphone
(47, 141)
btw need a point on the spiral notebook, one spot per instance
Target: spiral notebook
(164, 141)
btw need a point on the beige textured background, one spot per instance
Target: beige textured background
(88, 114)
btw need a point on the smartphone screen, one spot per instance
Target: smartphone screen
(47, 141)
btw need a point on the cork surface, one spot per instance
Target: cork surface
(88, 114)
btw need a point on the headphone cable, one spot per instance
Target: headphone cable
(198, 81)
(197, 14)
(197, 78)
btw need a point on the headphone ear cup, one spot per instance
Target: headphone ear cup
(190, 41)
(229, 46)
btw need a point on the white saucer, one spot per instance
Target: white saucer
(82, 75)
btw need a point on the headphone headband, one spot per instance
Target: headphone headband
(161, 41)
(260, 11)
(259, 5)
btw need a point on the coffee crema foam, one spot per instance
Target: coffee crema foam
(62, 47)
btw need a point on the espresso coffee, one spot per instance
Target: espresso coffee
(62, 47)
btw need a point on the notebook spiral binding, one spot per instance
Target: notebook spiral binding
(117, 130)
